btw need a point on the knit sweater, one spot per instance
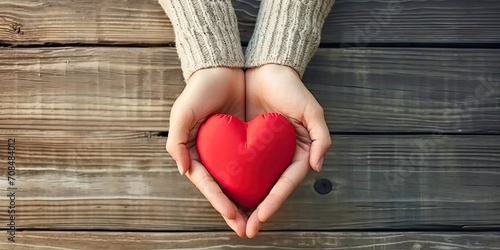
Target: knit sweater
(287, 32)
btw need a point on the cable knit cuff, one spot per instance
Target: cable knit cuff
(287, 32)
(206, 34)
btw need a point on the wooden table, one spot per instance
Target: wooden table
(411, 92)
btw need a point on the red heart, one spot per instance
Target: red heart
(246, 159)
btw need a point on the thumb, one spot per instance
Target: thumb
(178, 135)
(320, 136)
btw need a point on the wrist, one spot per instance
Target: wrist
(223, 80)
(273, 69)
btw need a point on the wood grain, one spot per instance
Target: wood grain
(408, 89)
(361, 90)
(28, 240)
(84, 21)
(354, 22)
(364, 22)
(105, 180)
(88, 88)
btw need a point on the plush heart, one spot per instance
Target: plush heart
(246, 159)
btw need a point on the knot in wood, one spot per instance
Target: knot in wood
(323, 186)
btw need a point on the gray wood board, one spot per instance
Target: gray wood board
(361, 90)
(408, 89)
(357, 22)
(363, 22)
(28, 240)
(109, 180)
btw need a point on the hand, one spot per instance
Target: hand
(276, 88)
(208, 91)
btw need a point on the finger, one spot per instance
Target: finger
(238, 224)
(209, 188)
(178, 135)
(320, 136)
(253, 225)
(288, 181)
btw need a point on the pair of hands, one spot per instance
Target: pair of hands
(245, 95)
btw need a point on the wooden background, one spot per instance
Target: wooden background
(411, 91)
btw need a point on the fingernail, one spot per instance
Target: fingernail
(179, 167)
(320, 164)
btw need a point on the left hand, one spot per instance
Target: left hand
(208, 91)
(277, 88)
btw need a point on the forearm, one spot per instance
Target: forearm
(206, 34)
(287, 32)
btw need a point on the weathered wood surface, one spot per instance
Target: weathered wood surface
(88, 88)
(84, 21)
(126, 181)
(87, 119)
(28, 240)
(355, 22)
(408, 89)
(362, 90)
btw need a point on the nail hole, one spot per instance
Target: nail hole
(323, 186)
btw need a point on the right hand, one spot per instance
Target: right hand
(208, 91)
(278, 88)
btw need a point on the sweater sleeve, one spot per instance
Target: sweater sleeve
(206, 34)
(287, 32)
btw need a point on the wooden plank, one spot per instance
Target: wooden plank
(363, 22)
(408, 89)
(361, 90)
(28, 240)
(357, 22)
(88, 88)
(105, 180)
(84, 21)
